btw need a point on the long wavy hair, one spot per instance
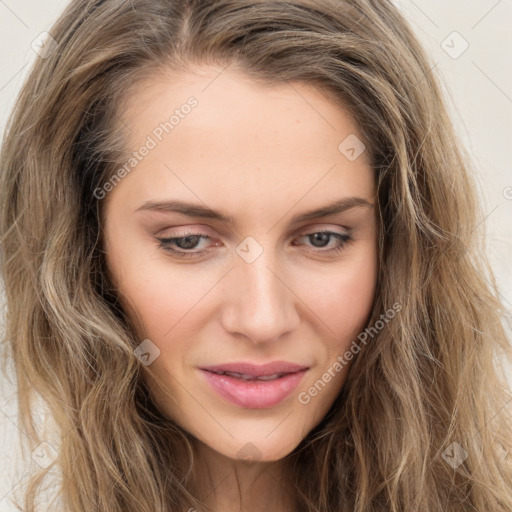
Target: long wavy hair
(430, 379)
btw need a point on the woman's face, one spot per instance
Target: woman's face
(232, 171)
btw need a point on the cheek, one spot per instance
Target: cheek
(164, 300)
(342, 295)
(342, 301)
(155, 292)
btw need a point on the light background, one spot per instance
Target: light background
(478, 88)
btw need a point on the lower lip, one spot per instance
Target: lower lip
(254, 394)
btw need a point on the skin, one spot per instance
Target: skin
(262, 156)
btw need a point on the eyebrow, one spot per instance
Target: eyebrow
(194, 210)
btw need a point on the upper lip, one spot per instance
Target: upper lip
(255, 370)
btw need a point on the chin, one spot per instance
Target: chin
(262, 450)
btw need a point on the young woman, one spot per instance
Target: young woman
(239, 258)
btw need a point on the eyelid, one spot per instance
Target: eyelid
(317, 228)
(179, 231)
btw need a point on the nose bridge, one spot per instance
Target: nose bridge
(261, 306)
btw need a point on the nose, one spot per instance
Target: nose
(260, 302)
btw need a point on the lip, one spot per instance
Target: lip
(255, 394)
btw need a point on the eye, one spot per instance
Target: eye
(184, 243)
(321, 239)
(187, 242)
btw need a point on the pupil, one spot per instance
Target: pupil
(188, 242)
(321, 237)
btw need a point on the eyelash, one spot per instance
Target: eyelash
(165, 243)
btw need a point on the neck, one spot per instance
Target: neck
(232, 485)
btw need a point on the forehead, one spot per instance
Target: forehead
(229, 100)
(240, 140)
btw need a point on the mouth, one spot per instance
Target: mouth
(250, 370)
(256, 387)
(244, 376)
